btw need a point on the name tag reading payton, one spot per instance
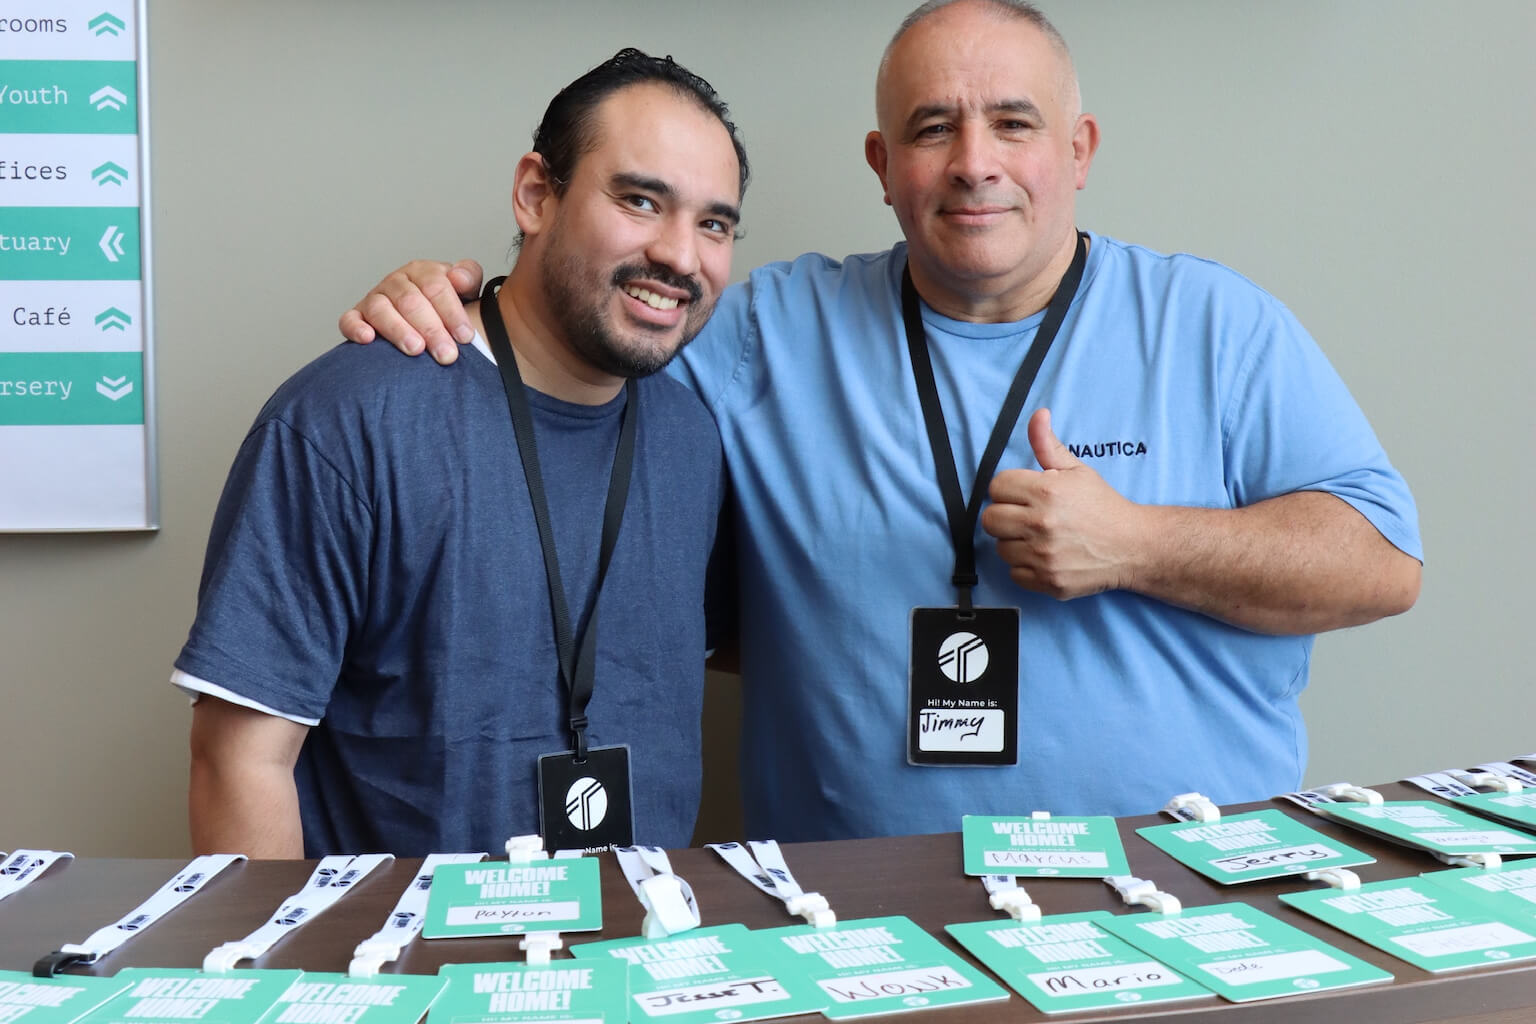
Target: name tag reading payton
(963, 687)
(586, 805)
(497, 898)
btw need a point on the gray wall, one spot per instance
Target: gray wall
(1368, 162)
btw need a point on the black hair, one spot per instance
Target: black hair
(569, 129)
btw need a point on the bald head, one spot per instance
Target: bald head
(945, 17)
(981, 149)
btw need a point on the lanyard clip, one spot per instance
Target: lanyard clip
(60, 959)
(538, 946)
(1346, 791)
(1339, 878)
(1193, 807)
(1135, 890)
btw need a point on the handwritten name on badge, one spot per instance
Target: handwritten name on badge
(941, 729)
(686, 1000)
(912, 982)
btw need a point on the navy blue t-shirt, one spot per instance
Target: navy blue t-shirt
(374, 563)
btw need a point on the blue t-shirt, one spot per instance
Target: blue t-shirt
(1176, 379)
(376, 566)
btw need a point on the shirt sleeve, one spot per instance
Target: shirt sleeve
(284, 579)
(1290, 424)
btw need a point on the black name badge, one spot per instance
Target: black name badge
(963, 687)
(586, 805)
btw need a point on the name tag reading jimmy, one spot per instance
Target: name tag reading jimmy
(963, 687)
(563, 895)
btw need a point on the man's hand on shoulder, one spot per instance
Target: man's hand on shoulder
(418, 307)
(1062, 530)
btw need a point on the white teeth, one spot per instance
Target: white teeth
(651, 298)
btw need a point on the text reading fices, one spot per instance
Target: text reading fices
(11, 170)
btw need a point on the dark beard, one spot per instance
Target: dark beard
(580, 316)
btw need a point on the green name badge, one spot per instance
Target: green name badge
(591, 991)
(1053, 847)
(1248, 847)
(493, 898)
(1510, 892)
(1518, 809)
(1243, 954)
(714, 974)
(878, 965)
(60, 1000)
(1429, 826)
(340, 999)
(1429, 926)
(1069, 962)
(160, 996)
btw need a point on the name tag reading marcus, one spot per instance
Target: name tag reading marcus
(963, 687)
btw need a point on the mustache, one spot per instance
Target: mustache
(659, 274)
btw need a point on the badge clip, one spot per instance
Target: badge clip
(369, 956)
(59, 960)
(224, 958)
(538, 946)
(525, 849)
(1135, 890)
(1337, 878)
(1193, 807)
(1490, 781)
(1487, 861)
(1356, 794)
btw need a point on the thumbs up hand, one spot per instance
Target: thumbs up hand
(1062, 530)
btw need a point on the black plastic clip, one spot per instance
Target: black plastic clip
(58, 960)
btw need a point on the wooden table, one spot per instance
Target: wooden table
(918, 876)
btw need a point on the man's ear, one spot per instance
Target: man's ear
(533, 194)
(876, 156)
(1085, 143)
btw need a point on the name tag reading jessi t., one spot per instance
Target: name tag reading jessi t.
(963, 686)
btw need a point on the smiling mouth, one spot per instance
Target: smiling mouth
(650, 298)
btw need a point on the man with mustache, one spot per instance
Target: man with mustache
(401, 643)
(1132, 614)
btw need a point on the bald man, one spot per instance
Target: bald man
(1193, 495)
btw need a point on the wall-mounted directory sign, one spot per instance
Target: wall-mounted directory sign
(76, 418)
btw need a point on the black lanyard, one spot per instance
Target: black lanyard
(577, 668)
(962, 517)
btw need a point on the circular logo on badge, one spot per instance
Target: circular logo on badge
(586, 803)
(963, 657)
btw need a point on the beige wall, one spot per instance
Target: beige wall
(1369, 162)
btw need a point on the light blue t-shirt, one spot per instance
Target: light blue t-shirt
(1177, 380)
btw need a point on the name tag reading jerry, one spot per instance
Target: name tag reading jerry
(963, 687)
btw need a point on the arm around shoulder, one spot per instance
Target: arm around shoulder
(242, 797)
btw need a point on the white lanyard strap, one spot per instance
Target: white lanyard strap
(24, 867)
(762, 864)
(1441, 784)
(405, 921)
(332, 879)
(668, 900)
(186, 884)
